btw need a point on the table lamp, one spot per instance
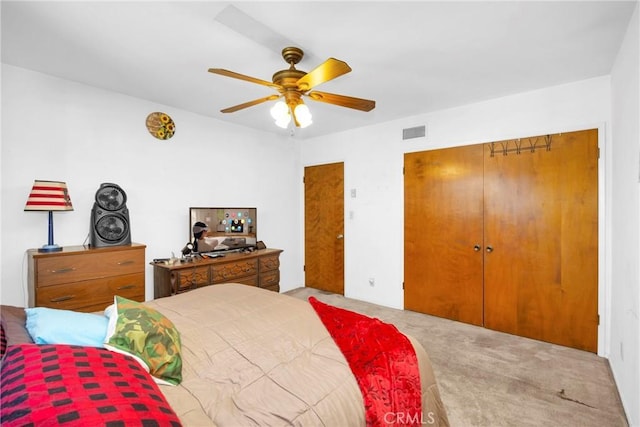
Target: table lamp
(49, 196)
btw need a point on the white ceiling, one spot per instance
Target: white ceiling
(410, 57)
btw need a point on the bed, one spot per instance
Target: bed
(248, 357)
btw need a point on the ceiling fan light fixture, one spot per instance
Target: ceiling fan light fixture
(279, 110)
(283, 123)
(280, 113)
(303, 114)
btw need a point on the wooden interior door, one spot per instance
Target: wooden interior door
(443, 233)
(324, 227)
(541, 223)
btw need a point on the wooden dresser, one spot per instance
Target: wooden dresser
(83, 279)
(260, 268)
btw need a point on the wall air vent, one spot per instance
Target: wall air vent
(415, 132)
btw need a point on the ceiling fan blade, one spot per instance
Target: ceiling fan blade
(239, 76)
(328, 70)
(249, 104)
(343, 101)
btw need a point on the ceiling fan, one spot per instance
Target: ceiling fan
(292, 84)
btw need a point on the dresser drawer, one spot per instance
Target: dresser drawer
(92, 293)
(73, 268)
(269, 263)
(227, 272)
(251, 281)
(270, 279)
(192, 277)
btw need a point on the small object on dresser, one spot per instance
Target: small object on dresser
(49, 196)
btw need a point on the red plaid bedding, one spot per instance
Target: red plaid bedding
(78, 386)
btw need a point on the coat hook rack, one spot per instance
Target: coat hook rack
(515, 146)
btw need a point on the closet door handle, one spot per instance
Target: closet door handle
(489, 249)
(476, 248)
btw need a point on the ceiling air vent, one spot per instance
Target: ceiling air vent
(415, 132)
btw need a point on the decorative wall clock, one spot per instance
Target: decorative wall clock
(160, 125)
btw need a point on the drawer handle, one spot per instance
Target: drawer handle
(63, 298)
(128, 262)
(126, 287)
(63, 270)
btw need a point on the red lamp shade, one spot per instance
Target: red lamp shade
(49, 196)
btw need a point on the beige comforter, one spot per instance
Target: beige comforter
(255, 357)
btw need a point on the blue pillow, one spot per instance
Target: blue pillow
(53, 326)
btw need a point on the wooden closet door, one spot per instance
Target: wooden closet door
(442, 224)
(324, 227)
(541, 222)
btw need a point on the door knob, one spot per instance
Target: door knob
(489, 249)
(476, 248)
(339, 236)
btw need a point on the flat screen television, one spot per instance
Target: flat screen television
(233, 228)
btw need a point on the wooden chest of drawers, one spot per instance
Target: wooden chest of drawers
(82, 279)
(260, 268)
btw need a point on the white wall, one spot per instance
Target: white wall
(625, 207)
(59, 130)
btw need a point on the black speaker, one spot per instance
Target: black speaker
(110, 217)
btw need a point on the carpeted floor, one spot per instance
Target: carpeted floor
(489, 378)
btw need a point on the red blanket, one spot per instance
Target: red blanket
(383, 361)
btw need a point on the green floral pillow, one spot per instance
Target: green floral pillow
(142, 332)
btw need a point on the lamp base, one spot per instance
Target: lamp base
(50, 248)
